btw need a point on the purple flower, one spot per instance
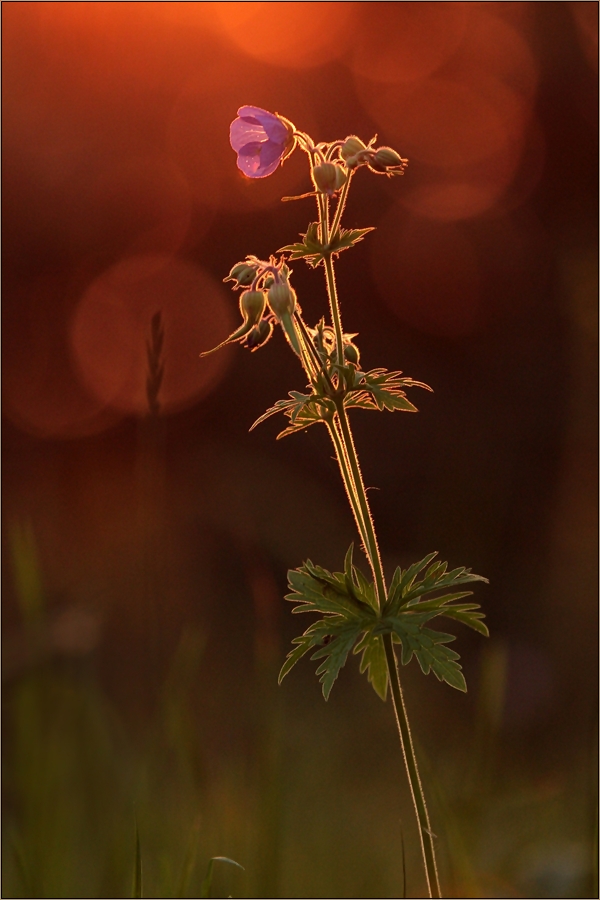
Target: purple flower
(261, 140)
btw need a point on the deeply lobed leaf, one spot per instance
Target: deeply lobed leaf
(351, 619)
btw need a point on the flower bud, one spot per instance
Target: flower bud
(259, 335)
(351, 353)
(269, 280)
(243, 273)
(282, 299)
(387, 157)
(328, 178)
(386, 161)
(252, 306)
(352, 147)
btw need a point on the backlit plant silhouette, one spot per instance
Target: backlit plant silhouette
(363, 614)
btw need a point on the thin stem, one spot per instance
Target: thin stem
(360, 502)
(334, 307)
(346, 473)
(363, 502)
(341, 204)
(350, 469)
(425, 833)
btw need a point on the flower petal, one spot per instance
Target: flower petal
(241, 133)
(257, 160)
(272, 124)
(261, 139)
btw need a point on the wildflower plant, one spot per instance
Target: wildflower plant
(356, 612)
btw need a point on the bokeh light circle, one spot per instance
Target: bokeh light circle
(292, 35)
(111, 326)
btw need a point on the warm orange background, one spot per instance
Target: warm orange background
(121, 197)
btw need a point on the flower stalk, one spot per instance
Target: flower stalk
(366, 616)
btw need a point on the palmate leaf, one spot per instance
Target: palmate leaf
(347, 603)
(380, 389)
(303, 410)
(313, 251)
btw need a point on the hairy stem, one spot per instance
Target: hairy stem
(362, 502)
(425, 833)
(341, 204)
(346, 472)
(351, 474)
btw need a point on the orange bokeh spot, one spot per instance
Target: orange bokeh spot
(427, 274)
(504, 181)
(466, 125)
(112, 324)
(293, 35)
(404, 42)
(438, 121)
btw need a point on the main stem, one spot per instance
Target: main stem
(350, 469)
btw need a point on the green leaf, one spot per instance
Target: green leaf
(380, 389)
(304, 643)
(310, 248)
(331, 587)
(303, 410)
(344, 238)
(313, 251)
(347, 601)
(373, 662)
(402, 581)
(432, 654)
(336, 652)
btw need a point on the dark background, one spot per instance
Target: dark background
(145, 560)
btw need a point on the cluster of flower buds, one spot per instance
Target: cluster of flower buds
(382, 160)
(269, 298)
(323, 337)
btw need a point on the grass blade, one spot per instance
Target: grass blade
(206, 884)
(137, 872)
